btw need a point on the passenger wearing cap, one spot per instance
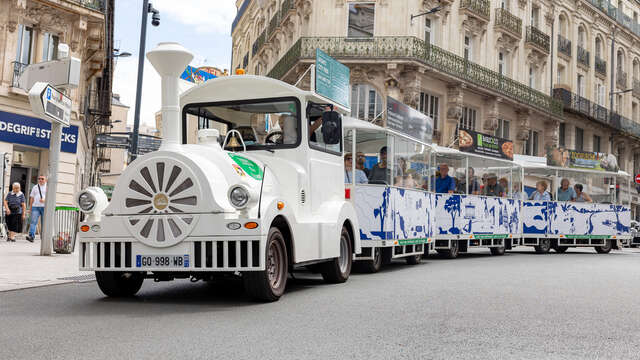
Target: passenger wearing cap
(444, 182)
(360, 177)
(493, 188)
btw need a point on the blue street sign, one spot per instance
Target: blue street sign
(332, 79)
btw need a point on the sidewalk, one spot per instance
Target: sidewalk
(21, 266)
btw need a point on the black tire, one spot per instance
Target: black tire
(560, 249)
(544, 247)
(605, 249)
(338, 270)
(426, 251)
(451, 253)
(269, 284)
(497, 251)
(371, 266)
(413, 259)
(119, 284)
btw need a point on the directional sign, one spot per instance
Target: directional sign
(638, 179)
(332, 79)
(50, 103)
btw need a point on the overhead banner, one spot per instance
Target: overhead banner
(407, 120)
(25, 130)
(198, 75)
(332, 79)
(482, 144)
(561, 157)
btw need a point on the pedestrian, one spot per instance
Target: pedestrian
(36, 203)
(16, 209)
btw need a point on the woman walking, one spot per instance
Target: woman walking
(16, 209)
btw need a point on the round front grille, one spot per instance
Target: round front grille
(161, 201)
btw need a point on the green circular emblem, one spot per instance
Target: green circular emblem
(250, 167)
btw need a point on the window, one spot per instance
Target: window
(535, 15)
(502, 67)
(532, 77)
(600, 95)
(257, 69)
(319, 138)
(468, 47)
(619, 100)
(581, 85)
(25, 42)
(361, 20)
(634, 112)
(596, 143)
(598, 47)
(468, 120)
(366, 102)
(50, 47)
(503, 129)
(429, 31)
(429, 105)
(504, 4)
(581, 37)
(531, 144)
(560, 79)
(579, 145)
(562, 134)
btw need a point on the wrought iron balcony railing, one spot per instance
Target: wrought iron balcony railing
(259, 43)
(414, 49)
(583, 56)
(509, 22)
(601, 66)
(636, 87)
(564, 45)
(481, 8)
(618, 16)
(621, 78)
(539, 39)
(18, 68)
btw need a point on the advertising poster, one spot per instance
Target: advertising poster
(483, 144)
(407, 120)
(561, 157)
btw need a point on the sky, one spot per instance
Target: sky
(202, 26)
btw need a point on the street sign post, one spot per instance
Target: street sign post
(52, 105)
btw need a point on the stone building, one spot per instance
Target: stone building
(538, 72)
(113, 161)
(30, 33)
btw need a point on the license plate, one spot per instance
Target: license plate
(162, 261)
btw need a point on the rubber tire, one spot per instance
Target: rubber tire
(257, 283)
(497, 251)
(543, 249)
(330, 270)
(371, 266)
(604, 249)
(413, 259)
(426, 251)
(119, 284)
(451, 253)
(561, 249)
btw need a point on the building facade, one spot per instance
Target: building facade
(30, 33)
(113, 161)
(540, 73)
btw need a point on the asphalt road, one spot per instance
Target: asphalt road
(577, 305)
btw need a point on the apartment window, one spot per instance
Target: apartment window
(361, 20)
(503, 129)
(429, 31)
(531, 144)
(366, 102)
(502, 67)
(579, 145)
(504, 4)
(535, 15)
(532, 77)
(50, 47)
(581, 37)
(562, 134)
(619, 99)
(468, 47)
(430, 105)
(468, 120)
(634, 112)
(596, 143)
(581, 85)
(25, 43)
(601, 94)
(599, 47)
(560, 79)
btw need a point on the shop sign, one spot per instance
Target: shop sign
(332, 79)
(25, 130)
(561, 157)
(407, 120)
(483, 144)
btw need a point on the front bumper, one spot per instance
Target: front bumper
(204, 254)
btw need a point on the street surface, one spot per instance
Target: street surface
(578, 305)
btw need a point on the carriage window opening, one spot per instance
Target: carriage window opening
(371, 156)
(325, 128)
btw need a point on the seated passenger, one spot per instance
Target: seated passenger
(541, 193)
(360, 160)
(580, 196)
(566, 193)
(360, 177)
(444, 182)
(492, 188)
(518, 194)
(379, 172)
(505, 185)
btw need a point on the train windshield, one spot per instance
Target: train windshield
(259, 124)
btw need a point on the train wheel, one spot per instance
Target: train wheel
(426, 251)
(544, 247)
(452, 253)
(561, 249)
(497, 251)
(269, 285)
(119, 284)
(413, 259)
(371, 266)
(338, 270)
(606, 248)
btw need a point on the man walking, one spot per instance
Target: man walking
(36, 203)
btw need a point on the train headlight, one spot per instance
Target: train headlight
(92, 200)
(86, 201)
(239, 197)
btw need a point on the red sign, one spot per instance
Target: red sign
(638, 179)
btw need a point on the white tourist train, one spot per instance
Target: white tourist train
(257, 178)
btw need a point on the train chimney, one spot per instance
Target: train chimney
(170, 59)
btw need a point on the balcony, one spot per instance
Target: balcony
(583, 56)
(537, 39)
(621, 79)
(18, 69)
(259, 43)
(618, 16)
(636, 88)
(477, 8)
(414, 49)
(509, 23)
(601, 66)
(564, 46)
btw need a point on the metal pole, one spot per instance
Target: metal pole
(136, 119)
(50, 198)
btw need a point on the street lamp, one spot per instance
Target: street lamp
(155, 21)
(117, 54)
(434, 10)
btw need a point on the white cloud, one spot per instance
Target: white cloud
(206, 16)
